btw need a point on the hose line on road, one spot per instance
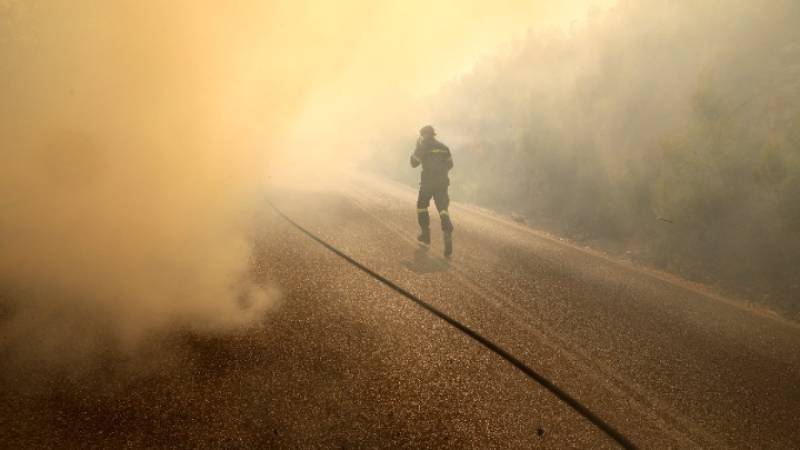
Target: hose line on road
(485, 342)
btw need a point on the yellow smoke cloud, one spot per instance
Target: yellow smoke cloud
(136, 136)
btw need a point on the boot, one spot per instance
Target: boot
(448, 245)
(425, 236)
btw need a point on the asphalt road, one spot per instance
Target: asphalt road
(345, 362)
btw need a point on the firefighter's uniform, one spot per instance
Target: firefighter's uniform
(436, 162)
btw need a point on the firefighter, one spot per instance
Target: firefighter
(436, 162)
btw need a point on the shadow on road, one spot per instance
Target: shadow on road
(422, 263)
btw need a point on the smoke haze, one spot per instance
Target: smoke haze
(137, 137)
(664, 130)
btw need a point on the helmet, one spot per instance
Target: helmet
(427, 131)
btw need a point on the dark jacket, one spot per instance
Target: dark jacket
(436, 161)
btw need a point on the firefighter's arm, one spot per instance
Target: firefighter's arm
(449, 160)
(415, 159)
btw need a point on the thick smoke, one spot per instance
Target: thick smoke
(130, 161)
(136, 136)
(134, 145)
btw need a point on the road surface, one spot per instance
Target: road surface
(345, 362)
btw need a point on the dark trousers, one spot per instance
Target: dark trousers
(442, 201)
